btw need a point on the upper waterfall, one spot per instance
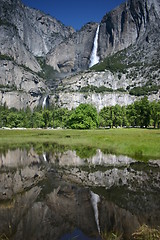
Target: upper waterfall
(94, 59)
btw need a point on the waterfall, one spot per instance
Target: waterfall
(44, 102)
(44, 157)
(95, 199)
(94, 59)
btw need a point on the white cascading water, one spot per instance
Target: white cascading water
(44, 157)
(44, 102)
(94, 59)
(95, 199)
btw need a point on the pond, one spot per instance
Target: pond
(65, 194)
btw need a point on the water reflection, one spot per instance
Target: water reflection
(59, 195)
(95, 199)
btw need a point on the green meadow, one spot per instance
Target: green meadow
(141, 144)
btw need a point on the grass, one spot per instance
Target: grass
(146, 233)
(111, 236)
(3, 237)
(142, 144)
(143, 233)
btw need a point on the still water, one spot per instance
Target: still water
(67, 194)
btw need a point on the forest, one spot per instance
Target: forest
(141, 114)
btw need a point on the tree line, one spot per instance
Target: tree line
(141, 113)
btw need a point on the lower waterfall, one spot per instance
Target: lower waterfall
(44, 102)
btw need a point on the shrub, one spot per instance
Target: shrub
(144, 90)
(47, 72)
(91, 88)
(6, 57)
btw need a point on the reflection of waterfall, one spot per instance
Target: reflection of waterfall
(94, 59)
(44, 157)
(95, 199)
(44, 102)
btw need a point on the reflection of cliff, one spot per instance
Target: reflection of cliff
(117, 220)
(107, 170)
(18, 158)
(38, 215)
(134, 175)
(72, 209)
(144, 205)
(61, 211)
(19, 171)
(71, 158)
(17, 181)
(13, 211)
(124, 194)
(131, 185)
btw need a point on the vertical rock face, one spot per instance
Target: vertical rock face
(131, 23)
(84, 45)
(38, 31)
(128, 24)
(134, 23)
(73, 54)
(13, 47)
(27, 33)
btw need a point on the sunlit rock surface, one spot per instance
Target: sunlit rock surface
(29, 36)
(38, 31)
(75, 89)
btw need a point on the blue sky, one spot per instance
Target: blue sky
(74, 13)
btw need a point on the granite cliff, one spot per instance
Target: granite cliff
(134, 24)
(129, 24)
(40, 56)
(73, 54)
(38, 31)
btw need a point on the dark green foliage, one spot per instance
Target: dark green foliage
(14, 118)
(120, 62)
(8, 87)
(91, 88)
(113, 116)
(84, 116)
(139, 114)
(143, 112)
(47, 72)
(144, 90)
(60, 117)
(121, 90)
(155, 113)
(6, 23)
(113, 63)
(6, 57)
